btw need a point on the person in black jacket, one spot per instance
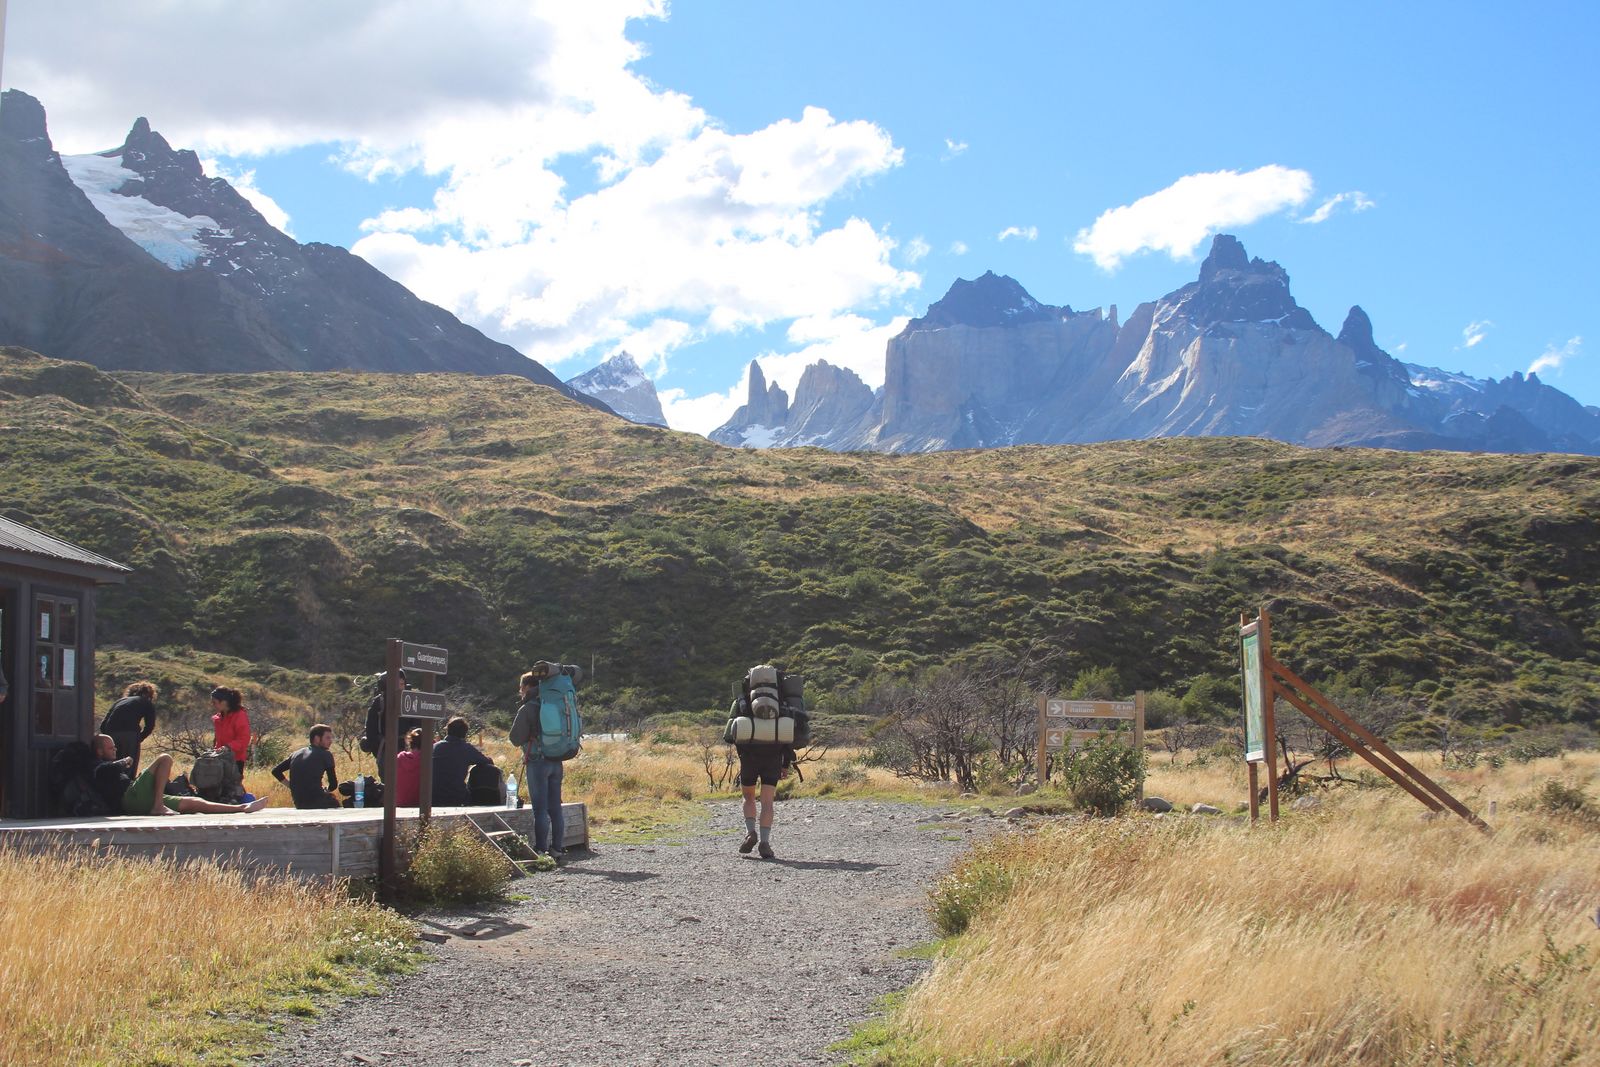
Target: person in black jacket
(372, 735)
(131, 720)
(305, 769)
(452, 758)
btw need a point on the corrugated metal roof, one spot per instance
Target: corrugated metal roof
(22, 538)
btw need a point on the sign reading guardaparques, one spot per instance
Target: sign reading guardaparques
(425, 658)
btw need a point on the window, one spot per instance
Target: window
(56, 667)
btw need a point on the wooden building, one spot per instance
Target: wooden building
(47, 590)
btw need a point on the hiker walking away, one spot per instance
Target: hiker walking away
(305, 768)
(230, 724)
(547, 729)
(765, 724)
(452, 759)
(373, 735)
(130, 720)
(145, 794)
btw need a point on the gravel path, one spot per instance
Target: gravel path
(675, 952)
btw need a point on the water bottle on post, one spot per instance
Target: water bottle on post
(511, 790)
(361, 791)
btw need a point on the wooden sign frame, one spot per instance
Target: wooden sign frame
(1279, 681)
(1064, 724)
(396, 654)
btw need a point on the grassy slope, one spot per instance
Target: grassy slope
(300, 519)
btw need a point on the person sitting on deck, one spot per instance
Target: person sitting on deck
(305, 770)
(146, 794)
(452, 759)
(408, 772)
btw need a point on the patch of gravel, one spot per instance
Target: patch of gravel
(671, 952)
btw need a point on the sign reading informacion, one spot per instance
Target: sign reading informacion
(425, 658)
(419, 705)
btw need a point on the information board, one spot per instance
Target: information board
(1255, 733)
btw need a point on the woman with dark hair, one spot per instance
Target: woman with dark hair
(408, 771)
(230, 724)
(131, 720)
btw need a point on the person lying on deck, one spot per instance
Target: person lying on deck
(146, 794)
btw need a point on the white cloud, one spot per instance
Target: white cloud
(667, 215)
(1357, 200)
(1178, 218)
(917, 249)
(1027, 233)
(953, 148)
(958, 248)
(1399, 348)
(244, 183)
(1554, 358)
(1474, 332)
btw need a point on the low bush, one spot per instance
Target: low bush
(452, 865)
(977, 884)
(1103, 777)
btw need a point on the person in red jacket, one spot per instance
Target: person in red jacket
(408, 772)
(230, 724)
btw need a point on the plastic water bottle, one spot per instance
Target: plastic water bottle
(361, 790)
(511, 790)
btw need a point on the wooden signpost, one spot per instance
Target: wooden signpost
(1066, 724)
(424, 664)
(1266, 680)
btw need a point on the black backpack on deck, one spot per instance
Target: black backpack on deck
(71, 782)
(485, 785)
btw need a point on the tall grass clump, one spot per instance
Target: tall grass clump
(1362, 935)
(108, 960)
(452, 865)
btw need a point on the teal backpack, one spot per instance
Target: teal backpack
(560, 725)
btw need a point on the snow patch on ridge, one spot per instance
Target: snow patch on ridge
(169, 237)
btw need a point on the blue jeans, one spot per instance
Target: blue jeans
(544, 796)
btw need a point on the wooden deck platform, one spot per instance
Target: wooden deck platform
(342, 842)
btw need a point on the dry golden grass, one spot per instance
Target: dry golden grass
(1358, 934)
(136, 961)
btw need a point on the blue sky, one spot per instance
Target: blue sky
(724, 180)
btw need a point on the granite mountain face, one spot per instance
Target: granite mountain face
(623, 387)
(1230, 354)
(133, 259)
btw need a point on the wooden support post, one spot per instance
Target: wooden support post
(1269, 719)
(388, 867)
(1255, 788)
(1138, 738)
(429, 683)
(1360, 749)
(1044, 757)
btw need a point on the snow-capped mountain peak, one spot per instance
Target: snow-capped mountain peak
(620, 384)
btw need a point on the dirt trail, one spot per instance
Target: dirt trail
(675, 952)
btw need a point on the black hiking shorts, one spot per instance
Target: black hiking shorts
(760, 763)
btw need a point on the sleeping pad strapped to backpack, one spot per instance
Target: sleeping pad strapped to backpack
(769, 709)
(560, 725)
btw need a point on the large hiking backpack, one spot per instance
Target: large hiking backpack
(560, 724)
(485, 785)
(768, 709)
(71, 782)
(216, 777)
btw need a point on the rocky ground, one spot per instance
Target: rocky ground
(674, 951)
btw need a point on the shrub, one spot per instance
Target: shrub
(452, 865)
(1103, 777)
(977, 884)
(1566, 799)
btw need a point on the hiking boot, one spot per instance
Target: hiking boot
(766, 851)
(747, 844)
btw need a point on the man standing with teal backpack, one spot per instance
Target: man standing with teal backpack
(547, 729)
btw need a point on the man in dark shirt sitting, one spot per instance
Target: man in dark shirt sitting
(306, 768)
(452, 758)
(146, 793)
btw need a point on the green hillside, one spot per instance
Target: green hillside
(300, 519)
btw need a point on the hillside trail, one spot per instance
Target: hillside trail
(675, 951)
